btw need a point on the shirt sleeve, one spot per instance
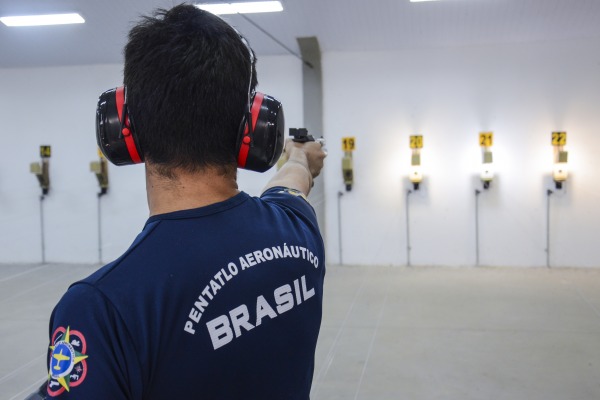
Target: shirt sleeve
(90, 355)
(293, 200)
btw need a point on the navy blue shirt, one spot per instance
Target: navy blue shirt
(219, 302)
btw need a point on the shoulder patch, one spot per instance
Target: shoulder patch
(67, 367)
(294, 192)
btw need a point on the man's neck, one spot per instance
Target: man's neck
(188, 190)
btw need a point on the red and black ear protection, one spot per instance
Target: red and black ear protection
(260, 137)
(115, 131)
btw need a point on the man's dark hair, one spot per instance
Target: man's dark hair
(187, 73)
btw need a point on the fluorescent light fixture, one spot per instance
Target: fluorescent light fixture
(37, 20)
(242, 8)
(418, 1)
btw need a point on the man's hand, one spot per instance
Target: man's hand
(313, 153)
(305, 161)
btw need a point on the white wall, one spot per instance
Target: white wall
(522, 93)
(56, 106)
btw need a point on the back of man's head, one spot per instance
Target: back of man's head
(187, 75)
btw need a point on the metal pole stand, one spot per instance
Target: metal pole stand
(548, 194)
(100, 228)
(42, 197)
(408, 248)
(477, 193)
(339, 204)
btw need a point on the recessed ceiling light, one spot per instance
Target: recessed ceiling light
(242, 8)
(37, 20)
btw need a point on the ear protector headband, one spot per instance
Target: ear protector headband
(260, 137)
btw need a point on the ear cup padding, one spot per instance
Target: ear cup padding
(245, 139)
(267, 137)
(115, 139)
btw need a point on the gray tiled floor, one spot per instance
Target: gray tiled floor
(28, 294)
(390, 333)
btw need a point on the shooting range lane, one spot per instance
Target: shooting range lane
(469, 333)
(418, 333)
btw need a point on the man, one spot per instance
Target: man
(220, 296)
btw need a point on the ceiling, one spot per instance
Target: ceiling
(340, 25)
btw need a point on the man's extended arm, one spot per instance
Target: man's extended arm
(305, 161)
